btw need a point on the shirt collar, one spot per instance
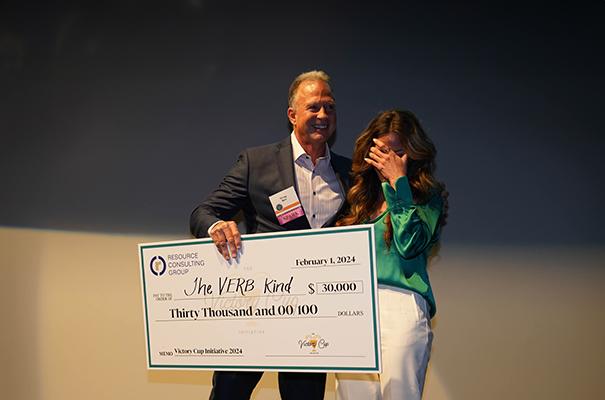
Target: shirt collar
(298, 151)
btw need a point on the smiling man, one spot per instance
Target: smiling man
(302, 168)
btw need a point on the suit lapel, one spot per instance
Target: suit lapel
(284, 163)
(339, 170)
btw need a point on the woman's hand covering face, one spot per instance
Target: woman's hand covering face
(390, 163)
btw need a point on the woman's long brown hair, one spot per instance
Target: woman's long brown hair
(365, 196)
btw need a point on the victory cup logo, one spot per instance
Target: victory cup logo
(313, 343)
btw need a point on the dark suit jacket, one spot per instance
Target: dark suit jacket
(259, 173)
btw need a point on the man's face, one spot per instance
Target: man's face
(313, 113)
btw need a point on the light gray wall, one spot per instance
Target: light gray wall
(513, 322)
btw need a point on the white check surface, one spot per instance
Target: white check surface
(293, 301)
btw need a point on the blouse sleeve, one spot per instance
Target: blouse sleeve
(415, 227)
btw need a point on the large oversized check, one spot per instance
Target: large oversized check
(292, 301)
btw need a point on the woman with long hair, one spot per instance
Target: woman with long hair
(395, 189)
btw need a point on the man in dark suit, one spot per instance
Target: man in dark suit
(301, 167)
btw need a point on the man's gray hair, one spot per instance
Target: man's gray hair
(306, 76)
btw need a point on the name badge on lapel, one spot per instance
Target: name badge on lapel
(286, 205)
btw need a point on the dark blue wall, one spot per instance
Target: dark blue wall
(121, 116)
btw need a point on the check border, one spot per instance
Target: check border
(251, 237)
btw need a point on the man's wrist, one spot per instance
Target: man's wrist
(213, 225)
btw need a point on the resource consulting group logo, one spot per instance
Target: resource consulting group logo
(157, 265)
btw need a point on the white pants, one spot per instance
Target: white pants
(406, 337)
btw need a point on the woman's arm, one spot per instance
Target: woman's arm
(415, 227)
